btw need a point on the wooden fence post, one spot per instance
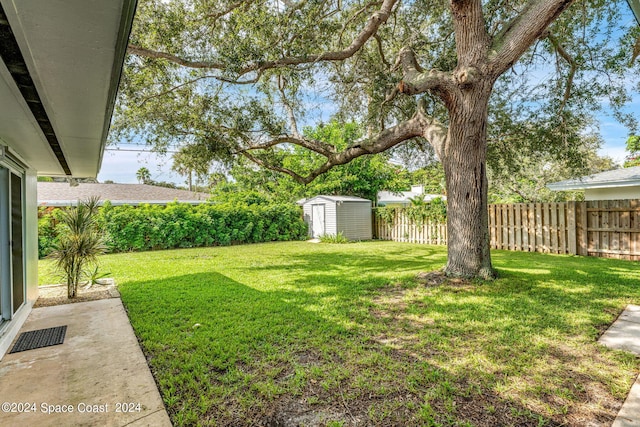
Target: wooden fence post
(583, 238)
(572, 231)
(562, 228)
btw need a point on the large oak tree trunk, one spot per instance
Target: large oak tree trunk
(466, 180)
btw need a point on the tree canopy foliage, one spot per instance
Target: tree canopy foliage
(229, 75)
(425, 78)
(363, 177)
(633, 148)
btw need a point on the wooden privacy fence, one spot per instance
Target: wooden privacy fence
(401, 229)
(535, 227)
(604, 228)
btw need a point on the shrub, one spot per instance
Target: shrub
(180, 225)
(47, 232)
(184, 226)
(418, 213)
(386, 214)
(334, 238)
(78, 244)
(433, 211)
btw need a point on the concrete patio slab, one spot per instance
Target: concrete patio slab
(631, 313)
(629, 415)
(624, 334)
(98, 376)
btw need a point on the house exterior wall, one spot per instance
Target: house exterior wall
(31, 236)
(617, 193)
(354, 220)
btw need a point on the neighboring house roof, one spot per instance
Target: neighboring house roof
(610, 179)
(387, 197)
(336, 199)
(62, 194)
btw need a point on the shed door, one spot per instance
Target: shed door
(317, 220)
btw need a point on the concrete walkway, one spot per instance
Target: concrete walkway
(98, 376)
(624, 334)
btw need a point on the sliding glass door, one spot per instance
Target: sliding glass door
(12, 283)
(17, 242)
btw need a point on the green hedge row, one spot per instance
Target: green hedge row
(180, 225)
(49, 228)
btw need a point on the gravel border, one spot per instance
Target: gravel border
(57, 294)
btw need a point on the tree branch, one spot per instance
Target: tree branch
(354, 16)
(319, 147)
(187, 83)
(156, 54)
(572, 70)
(636, 52)
(292, 117)
(376, 20)
(219, 14)
(518, 34)
(381, 51)
(418, 125)
(415, 80)
(299, 178)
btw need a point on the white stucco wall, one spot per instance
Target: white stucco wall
(618, 193)
(31, 236)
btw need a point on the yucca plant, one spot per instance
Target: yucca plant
(80, 244)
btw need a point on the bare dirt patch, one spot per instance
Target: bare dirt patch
(438, 278)
(393, 302)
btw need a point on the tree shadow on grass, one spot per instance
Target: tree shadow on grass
(532, 289)
(542, 306)
(225, 353)
(365, 257)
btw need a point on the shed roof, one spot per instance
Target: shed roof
(62, 194)
(338, 199)
(610, 179)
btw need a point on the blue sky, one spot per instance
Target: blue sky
(121, 167)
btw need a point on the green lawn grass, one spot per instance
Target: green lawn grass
(319, 334)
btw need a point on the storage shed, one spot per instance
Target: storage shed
(330, 215)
